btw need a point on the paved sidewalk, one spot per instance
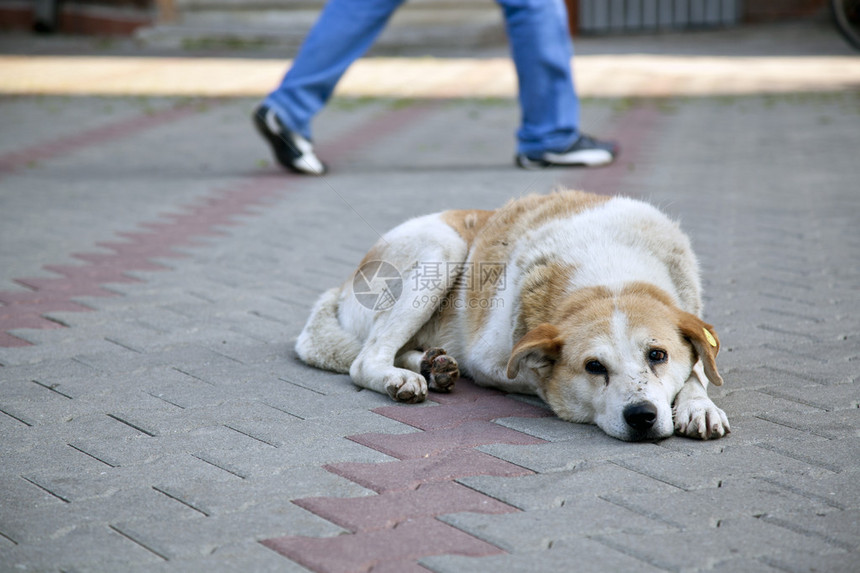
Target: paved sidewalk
(155, 268)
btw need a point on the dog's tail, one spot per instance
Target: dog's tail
(323, 342)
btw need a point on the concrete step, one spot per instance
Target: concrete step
(283, 25)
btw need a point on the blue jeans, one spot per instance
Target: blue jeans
(540, 47)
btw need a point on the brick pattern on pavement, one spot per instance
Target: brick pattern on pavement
(26, 310)
(396, 528)
(19, 159)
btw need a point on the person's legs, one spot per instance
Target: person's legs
(542, 51)
(345, 30)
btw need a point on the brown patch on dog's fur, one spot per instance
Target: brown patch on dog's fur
(542, 340)
(542, 289)
(467, 222)
(501, 231)
(375, 253)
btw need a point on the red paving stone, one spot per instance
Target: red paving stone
(385, 511)
(68, 286)
(422, 444)
(93, 273)
(15, 160)
(464, 391)
(141, 263)
(361, 552)
(409, 474)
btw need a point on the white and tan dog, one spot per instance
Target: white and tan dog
(590, 302)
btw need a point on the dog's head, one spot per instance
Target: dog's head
(617, 359)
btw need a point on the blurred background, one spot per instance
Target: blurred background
(423, 25)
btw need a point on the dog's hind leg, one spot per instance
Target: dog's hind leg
(417, 249)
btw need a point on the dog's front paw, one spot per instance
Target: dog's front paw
(406, 386)
(440, 370)
(700, 418)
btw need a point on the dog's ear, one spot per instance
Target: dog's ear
(540, 348)
(705, 342)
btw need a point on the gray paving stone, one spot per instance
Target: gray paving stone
(348, 422)
(225, 496)
(579, 554)
(709, 469)
(176, 539)
(829, 398)
(53, 345)
(249, 459)
(583, 450)
(840, 490)
(543, 528)
(753, 565)
(247, 556)
(746, 430)
(746, 402)
(838, 528)
(551, 429)
(188, 357)
(556, 489)
(55, 520)
(695, 550)
(708, 507)
(95, 546)
(833, 425)
(308, 404)
(834, 455)
(798, 562)
(20, 495)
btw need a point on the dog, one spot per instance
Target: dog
(592, 303)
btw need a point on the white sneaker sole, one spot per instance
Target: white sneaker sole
(585, 157)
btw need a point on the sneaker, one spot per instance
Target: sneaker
(584, 152)
(291, 149)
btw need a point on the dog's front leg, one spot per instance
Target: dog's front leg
(696, 416)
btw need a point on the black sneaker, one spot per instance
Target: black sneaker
(584, 152)
(291, 149)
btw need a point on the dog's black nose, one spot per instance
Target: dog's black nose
(641, 416)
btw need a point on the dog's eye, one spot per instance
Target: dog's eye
(657, 355)
(595, 367)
